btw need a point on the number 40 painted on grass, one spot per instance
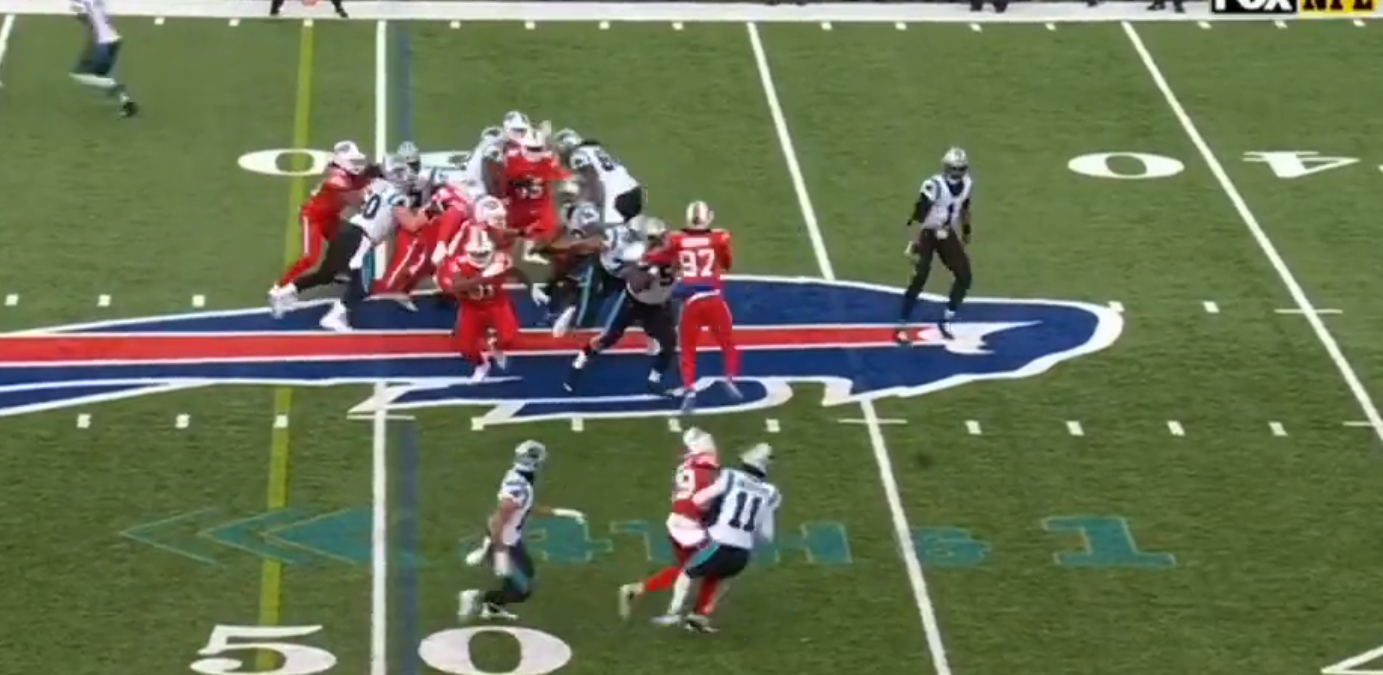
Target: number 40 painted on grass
(1285, 164)
(448, 651)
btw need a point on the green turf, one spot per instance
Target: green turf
(1125, 550)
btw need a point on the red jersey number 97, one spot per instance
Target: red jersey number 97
(697, 263)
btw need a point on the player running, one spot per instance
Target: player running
(320, 217)
(504, 547)
(702, 254)
(943, 205)
(647, 303)
(742, 504)
(97, 61)
(384, 210)
(685, 524)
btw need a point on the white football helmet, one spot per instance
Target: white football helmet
(347, 156)
(758, 458)
(489, 135)
(529, 455)
(699, 215)
(516, 124)
(479, 250)
(408, 152)
(490, 211)
(698, 443)
(955, 164)
(534, 145)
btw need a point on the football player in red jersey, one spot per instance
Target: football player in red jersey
(320, 217)
(486, 324)
(702, 254)
(532, 173)
(699, 468)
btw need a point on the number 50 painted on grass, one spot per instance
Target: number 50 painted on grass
(448, 651)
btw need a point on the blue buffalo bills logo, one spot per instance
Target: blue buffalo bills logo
(793, 331)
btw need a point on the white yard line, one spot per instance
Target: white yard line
(6, 30)
(1303, 303)
(379, 533)
(901, 530)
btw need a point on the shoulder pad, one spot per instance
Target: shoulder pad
(930, 189)
(493, 153)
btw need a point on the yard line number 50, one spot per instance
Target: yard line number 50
(448, 651)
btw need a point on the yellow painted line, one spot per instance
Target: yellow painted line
(271, 576)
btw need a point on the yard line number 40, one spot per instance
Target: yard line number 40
(448, 651)
(1126, 165)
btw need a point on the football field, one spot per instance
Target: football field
(1151, 449)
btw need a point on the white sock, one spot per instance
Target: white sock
(679, 594)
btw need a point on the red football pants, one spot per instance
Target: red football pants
(664, 578)
(473, 326)
(315, 237)
(409, 262)
(709, 311)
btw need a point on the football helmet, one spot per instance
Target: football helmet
(534, 145)
(396, 170)
(653, 229)
(479, 250)
(699, 215)
(698, 443)
(489, 135)
(516, 124)
(347, 156)
(408, 152)
(529, 455)
(490, 211)
(955, 164)
(758, 458)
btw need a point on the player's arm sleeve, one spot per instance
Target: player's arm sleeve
(965, 216)
(768, 528)
(727, 256)
(926, 195)
(710, 492)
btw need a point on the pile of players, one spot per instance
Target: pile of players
(523, 192)
(718, 517)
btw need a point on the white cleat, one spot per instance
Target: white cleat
(481, 372)
(627, 594)
(281, 300)
(335, 323)
(653, 347)
(468, 603)
(491, 612)
(668, 620)
(562, 325)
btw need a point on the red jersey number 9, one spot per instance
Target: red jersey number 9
(683, 484)
(697, 263)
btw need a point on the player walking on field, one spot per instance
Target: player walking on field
(702, 254)
(504, 547)
(740, 505)
(943, 207)
(97, 62)
(685, 523)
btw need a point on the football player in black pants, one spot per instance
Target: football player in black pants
(942, 208)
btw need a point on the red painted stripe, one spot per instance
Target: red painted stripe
(201, 347)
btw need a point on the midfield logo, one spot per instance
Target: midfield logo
(794, 331)
(1292, 6)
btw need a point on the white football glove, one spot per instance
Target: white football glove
(570, 513)
(539, 296)
(504, 566)
(474, 558)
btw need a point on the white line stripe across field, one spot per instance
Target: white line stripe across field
(1303, 303)
(902, 532)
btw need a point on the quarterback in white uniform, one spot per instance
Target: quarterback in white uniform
(603, 179)
(943, 210)
(742, 506)
(504, 547)
(385, 209)
(97, 62)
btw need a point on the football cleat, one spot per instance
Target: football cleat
(667, 620)
(697, 623)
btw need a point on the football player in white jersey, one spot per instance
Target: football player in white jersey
(97, 62)
(603, 179)
(504, 547)
(384, 210)
(943, 209)
(742, 509)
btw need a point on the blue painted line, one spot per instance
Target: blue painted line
(408, 471)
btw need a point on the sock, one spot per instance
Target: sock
(662, 579)
(706, 597)
(679, 594)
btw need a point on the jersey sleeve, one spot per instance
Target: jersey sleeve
(714, 490)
